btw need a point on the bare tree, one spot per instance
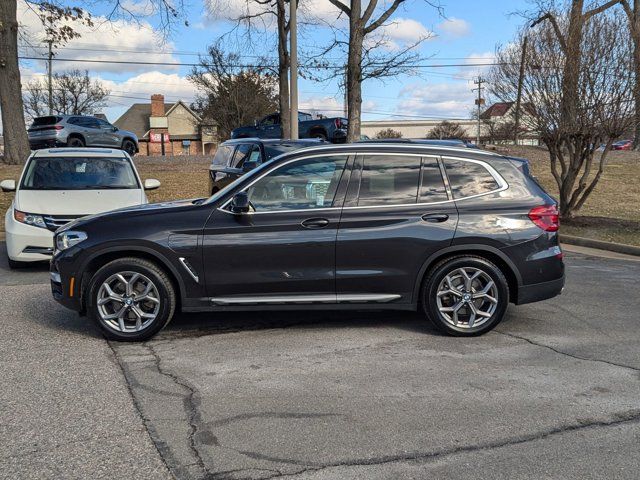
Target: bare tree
(366, 56)
(573, 116)
(55, 24)
(225, 87)
(632, 10)
(389, 133)
(447, 130)
(74, 93)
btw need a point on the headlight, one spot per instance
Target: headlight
(69, 238)
(29, 218)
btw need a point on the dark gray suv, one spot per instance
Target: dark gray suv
(79, 131)
(455, 233)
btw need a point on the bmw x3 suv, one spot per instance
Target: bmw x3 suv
(454, 233)
(79, 131)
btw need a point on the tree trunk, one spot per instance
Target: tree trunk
(283, 71)
(571, 70)
(16, 142)
(354, 71)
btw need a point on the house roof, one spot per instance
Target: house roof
(136, 119)
(496, 110)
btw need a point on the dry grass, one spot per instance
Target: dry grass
(611, 213)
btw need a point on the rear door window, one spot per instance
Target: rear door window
(389, 180)
(242, 153)
(432, 187)
(223, 155)
(469, 178)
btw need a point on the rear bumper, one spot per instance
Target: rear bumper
(37, 144)
(539, 291)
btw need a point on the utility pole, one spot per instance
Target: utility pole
(479, 102)
(516, 121)
(50, 75)
(293, 72)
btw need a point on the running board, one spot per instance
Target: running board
(305, 299)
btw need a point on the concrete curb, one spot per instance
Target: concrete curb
(600, 244)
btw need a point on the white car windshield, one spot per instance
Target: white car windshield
(79, 173)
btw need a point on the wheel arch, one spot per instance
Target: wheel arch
(92, 264)
(319, 129)
(494, 255)
(77, 135)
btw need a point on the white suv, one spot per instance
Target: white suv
(57, 186)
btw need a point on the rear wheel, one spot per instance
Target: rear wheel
(75, 142)
(319, 136)
(465, 295)
(131, 299)
(129, 147)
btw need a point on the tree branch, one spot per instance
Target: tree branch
(383, 18)
(556, 28)
(341, 6)
(594, 11)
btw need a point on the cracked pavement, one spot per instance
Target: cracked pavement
(553, 392)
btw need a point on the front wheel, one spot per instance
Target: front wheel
(131, 299)
(465, 295)
(129, 147)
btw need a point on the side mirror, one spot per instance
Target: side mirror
(249, 165)
(240, 203)
(115, 129)
(8, 185)
(151, 184)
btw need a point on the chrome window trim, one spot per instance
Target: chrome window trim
(502, 184)
(306, 299)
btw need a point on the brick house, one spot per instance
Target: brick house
(168, 128)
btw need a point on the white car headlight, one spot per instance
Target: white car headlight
(69, 238)
(29, 219)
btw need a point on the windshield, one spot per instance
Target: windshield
(79, 173)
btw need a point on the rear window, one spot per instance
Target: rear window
(391, 180)
(223, 155)
(469, 178)
(44, 121)
(79, 173)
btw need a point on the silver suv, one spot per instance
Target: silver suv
(79, 131)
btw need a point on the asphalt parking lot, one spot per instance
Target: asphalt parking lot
(554, 392)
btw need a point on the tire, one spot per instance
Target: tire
(130, 147)
(13, 265)
(75, 142)
(319, 136)
(441, 309)
(159, 303)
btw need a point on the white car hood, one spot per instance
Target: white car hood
(76, 202)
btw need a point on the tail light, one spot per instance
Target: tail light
(546, 217)
(52, 127)
(339, 123)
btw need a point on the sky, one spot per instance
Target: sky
(467, 33)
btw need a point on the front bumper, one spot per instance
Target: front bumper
(64, 287)
(26, 243)
(540, 291)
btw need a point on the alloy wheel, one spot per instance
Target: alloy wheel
(467, 297)
(128, 302)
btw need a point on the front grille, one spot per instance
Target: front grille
(54, 222)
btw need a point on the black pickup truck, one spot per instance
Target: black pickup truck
(332, 129)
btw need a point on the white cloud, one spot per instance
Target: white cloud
(105, 41)
(405, 30)
(173, 86)
(444, 100)
(455, 27)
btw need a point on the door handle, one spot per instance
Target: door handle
(435, 217)
(315, 223)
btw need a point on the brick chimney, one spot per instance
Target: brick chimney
(157, 105)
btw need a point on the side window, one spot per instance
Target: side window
(432, 187)
(88, 122)
(73, 120)
(468, 178)
(242, 153)
(271, 120)
(304, 184)
(389, 180)
(222, 156)
(104, 125)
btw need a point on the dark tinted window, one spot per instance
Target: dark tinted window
(391, 180)
(87, 122)
(242, 153)
(223, 155)
(44, 121)
(73, 120)
(432, 186)
(273, 150)
(103, 124)
(468, 178)
(79, 173)
(304, 184)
